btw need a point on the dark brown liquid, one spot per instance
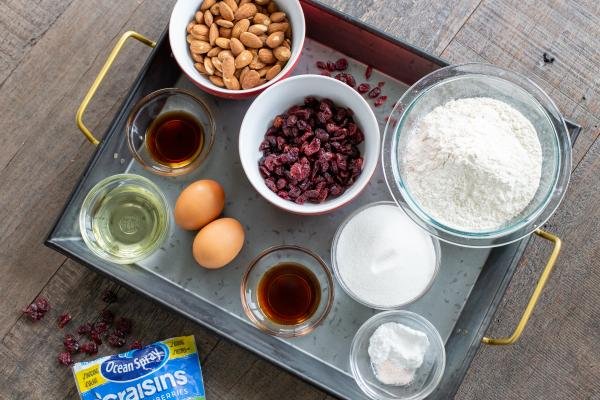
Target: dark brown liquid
(289, 293)
(175, 139)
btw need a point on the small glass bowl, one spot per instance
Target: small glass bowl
(336, 267)
(147, 193)
(270, 258)
(156, 104)
(427, 376)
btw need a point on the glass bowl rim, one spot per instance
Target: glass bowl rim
(102, 185)
(456, 236)
(209, 133)
(348, 291)
(432, 333)
(310, 327)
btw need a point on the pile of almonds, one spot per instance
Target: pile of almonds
(239, 44)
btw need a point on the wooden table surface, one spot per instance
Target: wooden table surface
(51, 50)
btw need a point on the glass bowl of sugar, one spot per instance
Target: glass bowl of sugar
(397, 355)
(382, 259)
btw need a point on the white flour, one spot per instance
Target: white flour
(396, 352)
(473, 164)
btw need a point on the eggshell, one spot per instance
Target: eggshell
(218, 243)
(198, 204)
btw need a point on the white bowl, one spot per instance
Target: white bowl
(276, 100)
(183, 13)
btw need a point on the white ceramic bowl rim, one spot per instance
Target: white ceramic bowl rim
(366, 121)
(179, 46)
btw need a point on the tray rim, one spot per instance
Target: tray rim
(455, 338)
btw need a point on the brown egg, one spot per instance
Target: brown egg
(198, 204)
(218, 243)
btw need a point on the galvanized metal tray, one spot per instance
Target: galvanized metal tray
(460, 303)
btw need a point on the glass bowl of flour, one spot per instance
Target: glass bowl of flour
(477, 155)
(397, 355)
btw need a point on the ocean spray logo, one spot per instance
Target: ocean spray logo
(135, 364)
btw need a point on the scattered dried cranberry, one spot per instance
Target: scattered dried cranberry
(375, 92)
(63, 320)
(136, 345)
(65, 358)
(107, 316)
(368, 72)
(109, 296)
(321, 65)
(363, 88)
(331, 66)
(116, 339)
(71, 344)
(380, 101)
(84, 329)
(124, 325)
(341, 64)
(36, 310)
(348, 79)
(95, 337)
(100, 327)
(90, 348)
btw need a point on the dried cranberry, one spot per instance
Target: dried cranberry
(341, 64)
(348, 79)
(90, 348)
(363, 88)
(380, 101)
(116, 339)
(136, 345)
(65, 358)
(100, 327)
(71, 344)
(368, 72)
(271, 184)
(331, 66)
(321, 65)
(375, 92)
(281, 183)
(84, 329)
(63, 320)
(107, 316)
(109, 296)
(36, 310)
(95, 337)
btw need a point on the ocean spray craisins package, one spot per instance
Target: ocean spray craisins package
(167, 370)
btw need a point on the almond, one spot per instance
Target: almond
(239, 27)
(273, 72)
(222, 42)
(215, 10)
(225, 11)
(275, 39)
(224, 23)
(245, 11)
(190, 26)
(250, 40)
(217, 64)
(189, 38)
(231, 82)
(266, 56)
(208, 18)
(262, 2)
(236, 46)
(200, 30)
(199, 17)
(225, 32)
(243, 72)
(263, 71)
(208, 66)
(200, 67)
(243, 59)
(228, 64)
(216, 80)
(261, 18)
(214, 51)
(206, 4)
(199, 47)
(258, 29)
(287, 44)
(203, 38)
(278, 16)
(242, 2)
(278, 26)
(213, 34)
(282, 53)
(256, 63)
(250, 79)
(198, 58)
(232, 4)
(224, 54)
(218, 73)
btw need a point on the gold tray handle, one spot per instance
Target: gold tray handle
(109, 61)
(536, 293)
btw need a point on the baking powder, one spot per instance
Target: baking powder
(473, 164)
(396, 352)
(384, 258)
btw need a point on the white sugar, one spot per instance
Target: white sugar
(384, 258)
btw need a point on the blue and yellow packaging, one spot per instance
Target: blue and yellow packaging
(167, 370)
